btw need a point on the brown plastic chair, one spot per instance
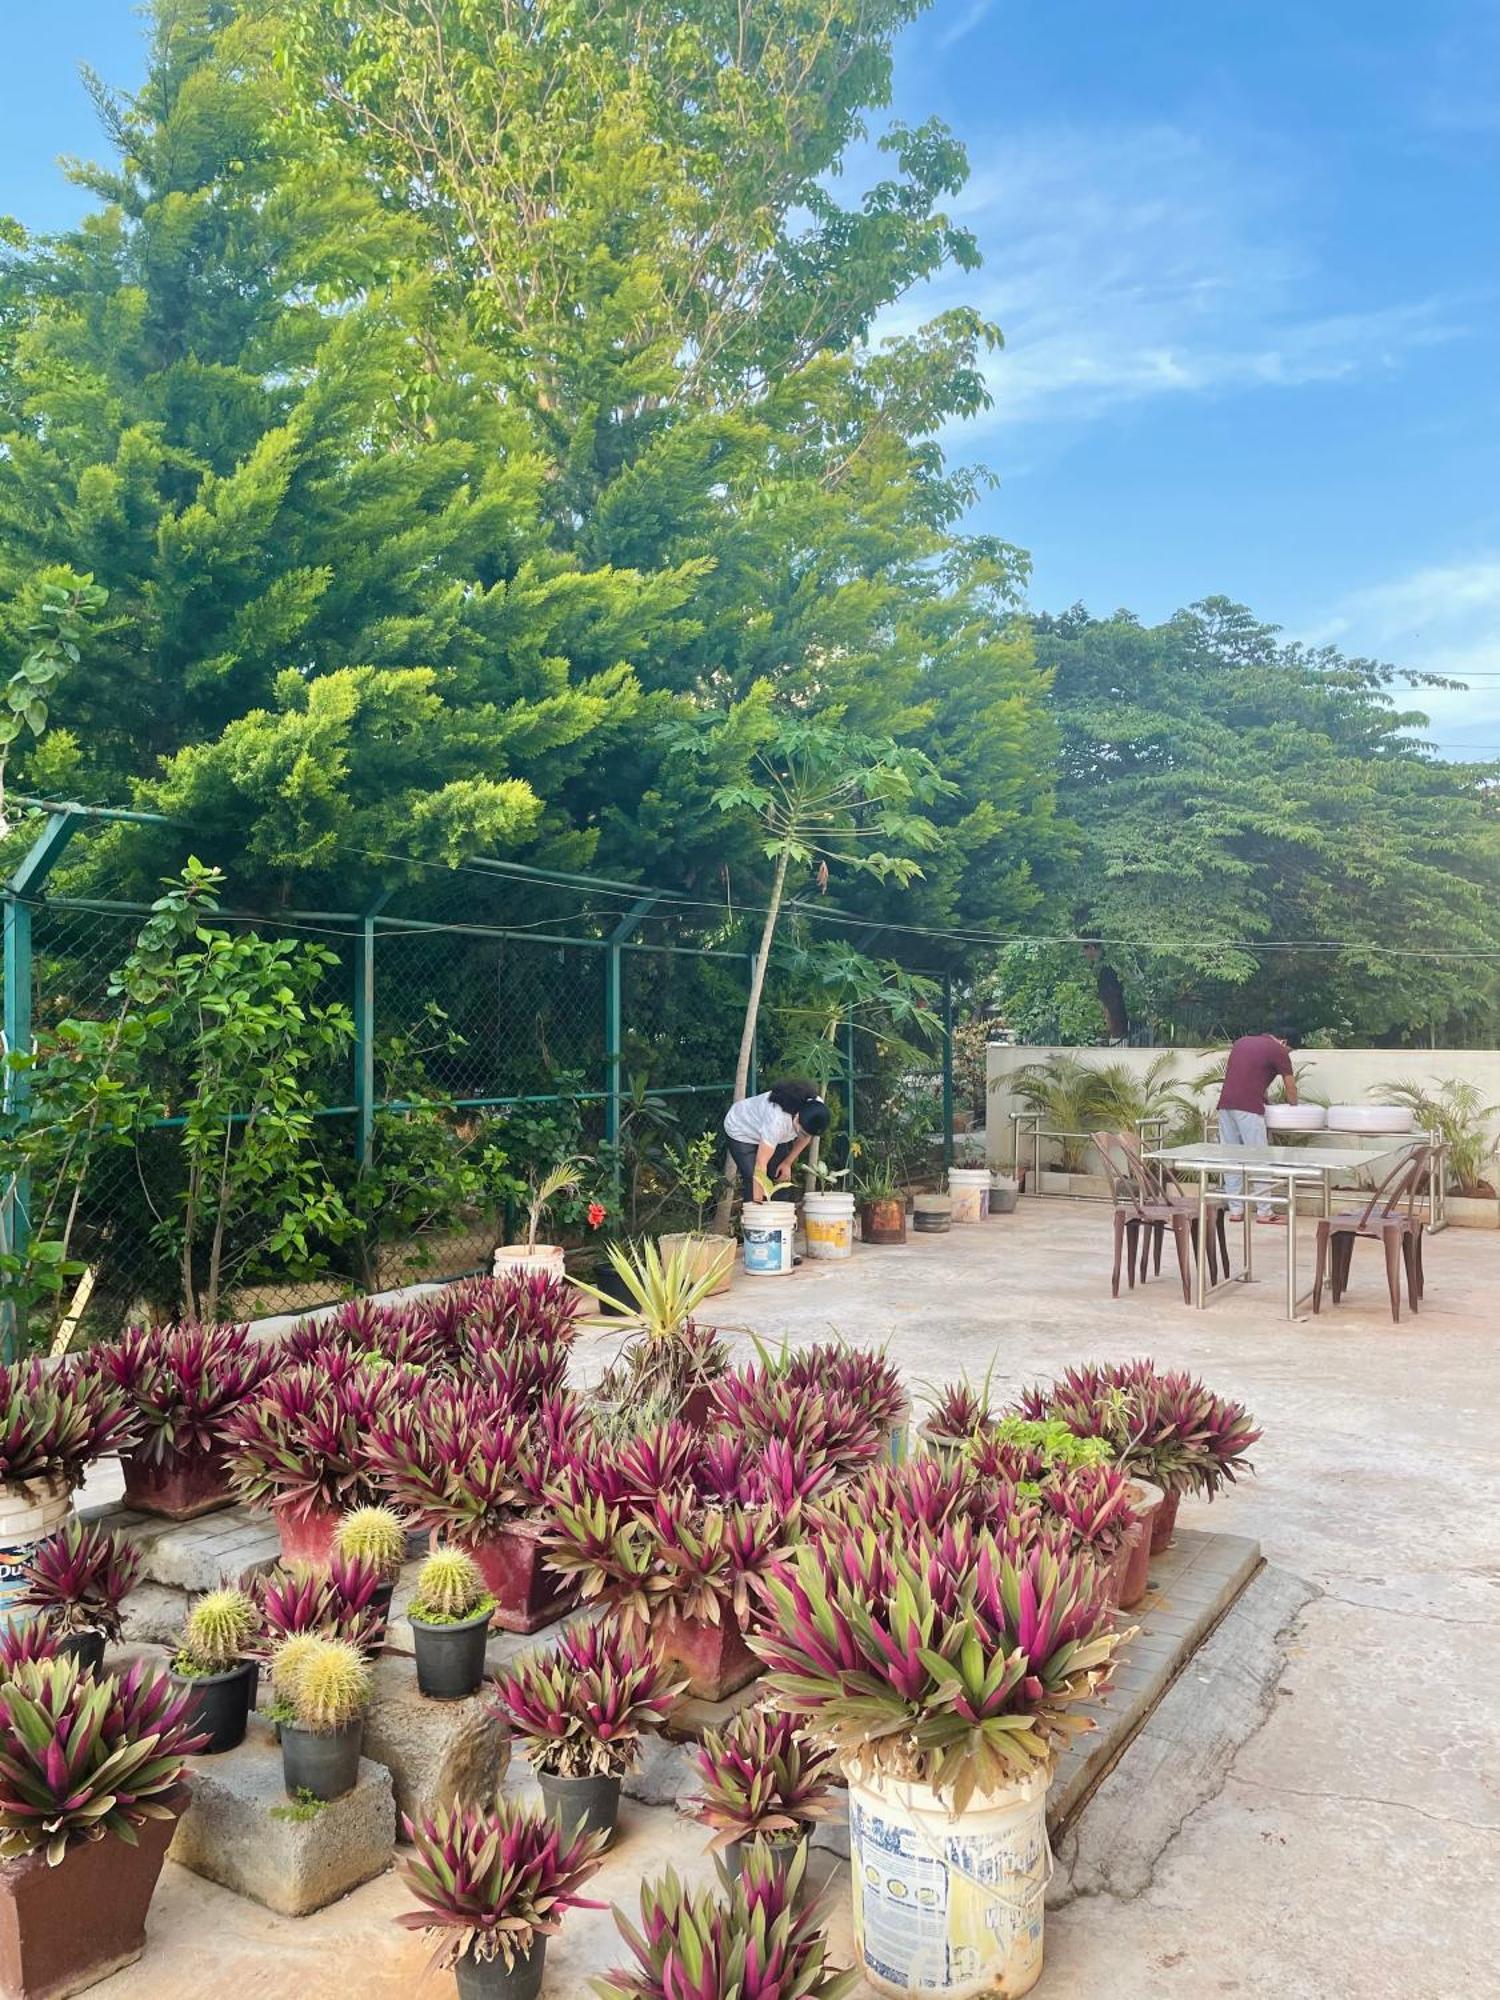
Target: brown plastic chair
(1149, 1202)
(1389, 1217)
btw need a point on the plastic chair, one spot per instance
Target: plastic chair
(1390, 1218)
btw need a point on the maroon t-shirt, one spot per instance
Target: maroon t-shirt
(1255, 1062)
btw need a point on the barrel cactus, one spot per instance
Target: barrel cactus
(375, 1535)
(286, 1663)
(218, 1633)
(449, 1588)
(331, 1688)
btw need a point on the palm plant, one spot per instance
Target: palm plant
(494, 1883)
(1063, 1089)
(1457, 1112)
(565, 1178)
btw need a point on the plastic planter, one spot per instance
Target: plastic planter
(223, 1702)
(450, 1658)
(1164, 1523)
(782, 1853)
(493, 1979)
(327, 1765)
(527, 1594)
(714, 1657)
(179, 1492)
(883, 1221)
(65, 1928)
(87, 1648)
(583, 1805)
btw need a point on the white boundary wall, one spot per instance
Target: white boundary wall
(1342, 1076)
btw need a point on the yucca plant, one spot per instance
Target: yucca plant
(79, 1577)
(583, 1704)
(494, 1883)
(373, 1535)
(450, 1589)
(762, 1779)
(327, 1687)
(749, 1939)
(81, 1757)
(954, 1660)
(665, 1350)
(182, 1384)
(54, 1422)
(219, 1632)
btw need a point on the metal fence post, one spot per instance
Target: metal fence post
(614, 1028)
(364, 1034)
(849, 1087)
(29, 880)
(947, 1069)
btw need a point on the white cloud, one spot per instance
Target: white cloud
(1442, 619)
(964, 22)
(1142, 262)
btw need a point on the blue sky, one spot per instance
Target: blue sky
(1247, 260)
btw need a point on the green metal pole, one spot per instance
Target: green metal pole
(28, 881)
(849, 1088)
(614, 1028)
(947, 1069)
(364, 1034)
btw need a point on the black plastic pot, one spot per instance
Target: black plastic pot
(584, 1805)
(223, 1704)
(782, 1852)
(87, 1648)
(450, 1658)
(493, 1979)
(380, 1604)
(325, 1765)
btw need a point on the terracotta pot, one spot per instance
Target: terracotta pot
(1146, 1500)
(697, 1406)
(883, 1221)
(178, 1492)
(715, 1658)
(546, 1261)
(65, 1928)
(527, 1594)
(1164, 1523)
(308, 1537)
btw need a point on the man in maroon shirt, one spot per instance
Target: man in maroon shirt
(1255, 1062)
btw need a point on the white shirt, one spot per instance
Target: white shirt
(759, 1121)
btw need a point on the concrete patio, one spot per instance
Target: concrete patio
(1314, 1809)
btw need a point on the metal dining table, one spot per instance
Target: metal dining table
(1290, 1166)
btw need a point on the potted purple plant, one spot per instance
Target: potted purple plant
(77, 1578)
(764, 1785)
(706, 1944)
(340, 1602)
(182, 1384)
(91, 1785)
(54, 1422)
(300, 1448)
(493, 1886)
(581, 1707)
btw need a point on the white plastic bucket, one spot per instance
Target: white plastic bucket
(949, 1905)
(969, 1191)
(30, 1510)
(768, 1228)
(829, 1222)
(514, 1259)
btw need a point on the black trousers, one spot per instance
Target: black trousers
(743, 1152)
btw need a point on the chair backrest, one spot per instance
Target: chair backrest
(1400, 1185)
(1154, 1179)
(1119, 1169)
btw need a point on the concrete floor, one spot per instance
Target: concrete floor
(1315, 1812)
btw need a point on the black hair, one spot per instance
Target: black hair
(1285, 1032)
(792, 1093)
(815, 1117)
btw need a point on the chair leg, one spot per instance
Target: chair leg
(1114, 1276)
(1409, 1259)
(1145, 1270)
(1132, 1238)
(1343, 1250)
(1182, 1235)
(1223, 1235)
(1321, 1259)
(1213, 1254)
(1393, 1270)
(1417, 1234)
(1157, 1234)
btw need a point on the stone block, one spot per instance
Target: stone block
(665, 1774)
(196, 1555)
(153, 1614)
(243, 1832)
(439, 1753)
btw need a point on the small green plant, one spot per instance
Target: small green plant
(303, 1807)
(330, 1687)
(449, 1590)
(1457, 1112)
(565, 1178)
(218, 1633)
(699, 1170)
(374, 1535)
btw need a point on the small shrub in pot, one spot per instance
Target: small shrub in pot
(326, 1688)
(493, 1886)
(581, 1707)
(764, 1784)
(212, 1669)
(77, 1578)
(450, 1623)
(300, 1446)
(340, 1602)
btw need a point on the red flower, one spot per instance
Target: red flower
(597, 1213)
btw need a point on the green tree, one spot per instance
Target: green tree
(1231, 788)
